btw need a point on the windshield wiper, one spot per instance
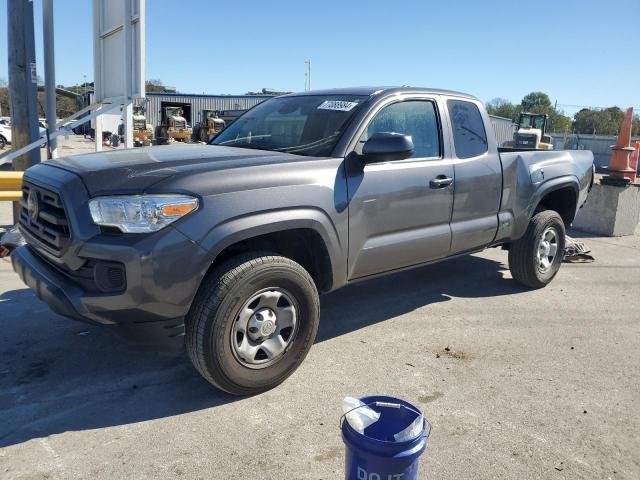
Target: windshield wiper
(307, 146)
(248, 137)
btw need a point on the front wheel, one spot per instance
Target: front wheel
(3, 142)
(535, 258)
(252, 323)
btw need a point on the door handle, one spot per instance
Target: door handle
(440, 181)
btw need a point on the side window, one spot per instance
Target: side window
(416, 118)
(469, 136)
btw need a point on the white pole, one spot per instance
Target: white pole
(141, 56)
(49, 73)
(127, 111)
(97, 57)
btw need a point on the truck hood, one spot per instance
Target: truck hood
(135, 170)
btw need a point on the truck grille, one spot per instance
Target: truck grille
(43, 218)
(180, 124)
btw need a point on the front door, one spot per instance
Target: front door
(399, 213)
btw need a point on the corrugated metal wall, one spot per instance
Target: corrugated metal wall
(199, 103)
(600, 145)
(503, 128)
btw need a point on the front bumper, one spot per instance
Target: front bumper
(50, 287)
(156, 275)
(160, 286)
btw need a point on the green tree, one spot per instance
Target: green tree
(600, 122)
(155, 85)
(4, 98)
(502, 107)
(559, 122)
(537, 102)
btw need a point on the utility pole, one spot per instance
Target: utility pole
(49, 75)
(22, 84)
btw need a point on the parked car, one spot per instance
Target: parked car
(5, 132)
(230, 243)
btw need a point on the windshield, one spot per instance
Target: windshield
(304, 125)
(538, 122)
(525, 121)
(532, 121)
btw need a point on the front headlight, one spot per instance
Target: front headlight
(140, 213)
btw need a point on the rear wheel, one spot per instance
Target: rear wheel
(162, 135)
(3, 142)
(535, 258)
(252, 323)
(196, 133)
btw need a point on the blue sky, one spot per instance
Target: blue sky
(579, 52)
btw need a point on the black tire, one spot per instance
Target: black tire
(3, 142)
(162, 135)
(523, 253)
(195, 135)
(215, 310)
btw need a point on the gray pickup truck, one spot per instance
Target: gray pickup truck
(228, 245)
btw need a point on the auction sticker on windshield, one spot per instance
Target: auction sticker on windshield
(337, 105)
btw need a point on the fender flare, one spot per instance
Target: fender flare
(245, 227)
(544, 189)
(554, 185)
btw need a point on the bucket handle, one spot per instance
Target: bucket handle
(389, 405)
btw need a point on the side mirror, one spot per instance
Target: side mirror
(386, 147)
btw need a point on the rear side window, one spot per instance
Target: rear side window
(469, 136)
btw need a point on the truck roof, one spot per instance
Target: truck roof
(381, 89)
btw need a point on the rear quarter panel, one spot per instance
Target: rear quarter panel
(529, 176)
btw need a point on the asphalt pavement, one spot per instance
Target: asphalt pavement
(517, 384)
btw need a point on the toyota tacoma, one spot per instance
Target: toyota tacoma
(226, 246)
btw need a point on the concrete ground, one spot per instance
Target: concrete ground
(71, 145)
(516, 383)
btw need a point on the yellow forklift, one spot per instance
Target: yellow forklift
(209, 126)
(173, 126)
(142, 131)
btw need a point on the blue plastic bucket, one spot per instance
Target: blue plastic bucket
(375, 454)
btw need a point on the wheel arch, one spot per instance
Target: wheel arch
(307, 236)
(561, 196)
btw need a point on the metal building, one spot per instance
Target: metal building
(600, 145)
(193, 105)
(503, 128)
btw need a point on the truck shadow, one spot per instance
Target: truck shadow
(367, 303)
(57, 375)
